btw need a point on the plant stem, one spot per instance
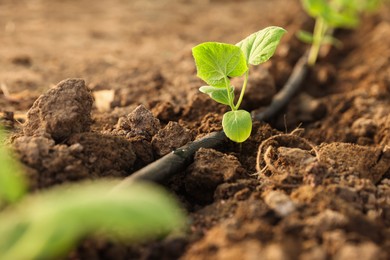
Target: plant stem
(231, 101)
(319, 32)
(242, 90)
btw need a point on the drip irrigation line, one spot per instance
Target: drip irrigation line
(161, 170)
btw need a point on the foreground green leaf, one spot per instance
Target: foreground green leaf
(237, 125)
(260, 46)
(215, 62)
(12, 183)
(218, 94)
(48, 225)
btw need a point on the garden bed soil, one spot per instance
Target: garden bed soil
(312, 183)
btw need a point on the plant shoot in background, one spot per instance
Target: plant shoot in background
(330, 15)
(217, 63)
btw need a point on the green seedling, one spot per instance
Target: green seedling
(330, 15)
(217, 63)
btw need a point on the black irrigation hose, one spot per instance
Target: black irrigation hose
(281, 99)
(167, 166)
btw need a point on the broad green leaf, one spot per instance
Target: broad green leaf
(337, 14)
(305, 36)
(237, 125)
(218, 94)
(12, 183)
(260, 46)
(357, 5)
(345, 19)
(316, 8)
(49, 224)
(215, 62)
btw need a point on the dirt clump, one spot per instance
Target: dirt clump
(49, 163)
(84, 156)
(164, 111)
(61, 111)
(98, 151)
(139, 127)
(140, 122)
(172, 136)
(365, 162)
(211, 168)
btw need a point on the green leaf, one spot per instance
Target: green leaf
(49, 224)
(218, 94)
(339, 19)
(316, 8)
(237, 125)
(305, 36)
(260, 46)
(12, 183)
(357, 5)
(337, 14)
(216, 62)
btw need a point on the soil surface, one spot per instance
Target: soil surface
(91, 90)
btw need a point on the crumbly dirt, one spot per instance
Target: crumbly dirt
(313, 183)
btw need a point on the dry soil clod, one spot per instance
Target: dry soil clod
(140, 122)
(172, 136)
(211, 168)
(61, 111)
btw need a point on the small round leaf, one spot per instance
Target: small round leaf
(237, 125)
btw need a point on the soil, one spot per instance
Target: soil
(101, 90)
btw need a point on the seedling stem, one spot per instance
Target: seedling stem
(242, 90)
(320, 29)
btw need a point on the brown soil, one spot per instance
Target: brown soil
(321, 193)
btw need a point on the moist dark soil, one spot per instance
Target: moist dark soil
(92, 90)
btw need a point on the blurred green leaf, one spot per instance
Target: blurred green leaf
(315, 8)
(49, 224)
(12, 183)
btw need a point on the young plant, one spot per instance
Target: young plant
(217, 63)
(330, 15)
